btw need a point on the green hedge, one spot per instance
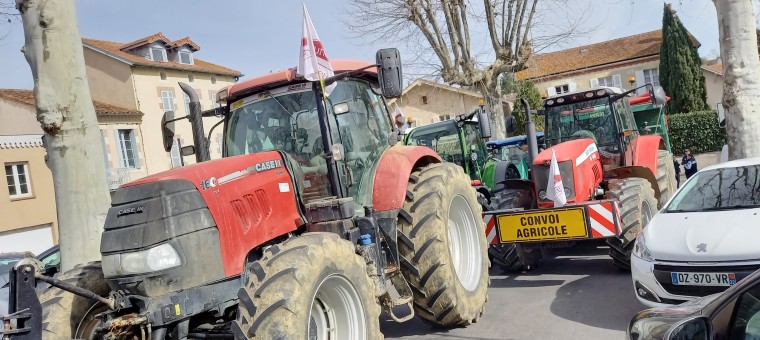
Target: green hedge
(697, 131)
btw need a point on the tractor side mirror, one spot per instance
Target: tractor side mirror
(167, 130)
(389, 72)
(510, 121)
(187, 150)
(484, 123)
(657, 95)
(721, 115)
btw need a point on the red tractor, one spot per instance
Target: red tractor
(614, 179)
(312, 217)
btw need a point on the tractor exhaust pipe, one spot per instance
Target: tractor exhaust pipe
(196, 121)
(530, 131)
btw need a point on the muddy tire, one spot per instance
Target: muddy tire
(637, 207)
(443, 245)
(69, 316)
(666, 177)
(514, 257)
(310, 286)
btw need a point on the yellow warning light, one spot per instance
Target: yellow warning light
(481, 101)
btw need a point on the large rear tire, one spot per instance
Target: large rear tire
(514, 257)
(443, 239)
(312, 286)
(666, 177)
(637, 207)
(69, 316)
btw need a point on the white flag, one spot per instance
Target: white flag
(313, 64)
(555, 191)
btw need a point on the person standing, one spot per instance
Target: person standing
(678, 172)
(689, 163)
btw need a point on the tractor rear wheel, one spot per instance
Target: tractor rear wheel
(442, 237)
(666, 177)
(637, 205)
(69, 316)
(514, 257)
(312, 286)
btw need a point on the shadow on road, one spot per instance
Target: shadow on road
(417, 328)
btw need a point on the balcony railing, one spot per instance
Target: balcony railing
(116, 177)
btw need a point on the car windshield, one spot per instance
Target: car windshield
(719, 189)
(6, 263)
(588, 119)
(443, 138)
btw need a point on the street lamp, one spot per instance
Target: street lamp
(631, 80)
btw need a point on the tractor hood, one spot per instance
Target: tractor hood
(575, 150)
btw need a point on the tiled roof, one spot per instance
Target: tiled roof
(594, 55)
(714, 68)
(26, 97)
(148, 40)
(186, 41)
(20, 141)
(116, 49)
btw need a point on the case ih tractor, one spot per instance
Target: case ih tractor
(312, 217)
(614, 179)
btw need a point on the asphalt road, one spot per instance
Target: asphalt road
(576, 294)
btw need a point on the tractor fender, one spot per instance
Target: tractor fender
(645, 152)
(392, 174)
(501, 170)
(635, 171)
(522, 184)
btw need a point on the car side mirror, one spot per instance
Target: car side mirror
(167, 130)
(657, 95)
(693, 329)
(389, 74)
(187, 150)
(510, 121)
(484, 122)
(721, 115)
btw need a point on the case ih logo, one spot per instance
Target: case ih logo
(268, 165)
(208, 183)
(129, 211)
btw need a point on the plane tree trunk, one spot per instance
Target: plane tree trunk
(741, 76)
(53, 48)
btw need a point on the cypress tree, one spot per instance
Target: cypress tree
(680, 67)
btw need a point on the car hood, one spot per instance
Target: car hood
(729, 235)
(653, 323)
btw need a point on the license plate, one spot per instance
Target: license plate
(555, 224)
(703, 279)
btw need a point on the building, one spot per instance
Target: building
(426, 102)
(144, 75)
(27, 200)
(627, 63)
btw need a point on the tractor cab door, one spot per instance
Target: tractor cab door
(475, 150)
(626, 125)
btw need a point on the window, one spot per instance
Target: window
(190, 78)
(167, 99)
(163, 75)
(175, 154)
(157, 54)
(17, 175)
(744, 323)
(213, 100)
(444, 117)
(562, 89)
(127, 148)
(213, 80)
(424, 100)
(187, 104)
(611, 81)
(652, 76)
(185, 57)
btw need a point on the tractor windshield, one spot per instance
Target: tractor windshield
(588, 119)
(443, 138)
(285, 119)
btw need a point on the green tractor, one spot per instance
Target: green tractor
(514, 150)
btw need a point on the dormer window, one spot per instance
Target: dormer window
(157, 54)
(185, 57)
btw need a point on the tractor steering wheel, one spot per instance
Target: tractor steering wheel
(583, 134)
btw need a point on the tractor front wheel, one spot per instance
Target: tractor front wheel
(514, 257)
(666, 177)
(443, 238)
(637, 205)
(312, 286)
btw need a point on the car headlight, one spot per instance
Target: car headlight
(146, 261)
(640, 249)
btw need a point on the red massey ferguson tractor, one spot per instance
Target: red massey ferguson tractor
(312, 217)
(614, 179)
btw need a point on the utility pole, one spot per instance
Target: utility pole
(53, 49)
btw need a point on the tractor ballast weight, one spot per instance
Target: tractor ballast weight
(311, 209)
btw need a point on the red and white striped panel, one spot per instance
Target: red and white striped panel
(490, 229)
(602, 220)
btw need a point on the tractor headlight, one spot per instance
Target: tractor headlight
(568, 192)
(146, 261)
(542, 194)
(640, 249)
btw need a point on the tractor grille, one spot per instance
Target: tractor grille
(541, 175)
(662, 274)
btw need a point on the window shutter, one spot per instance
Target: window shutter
(572, 86)
(594, 83)
(550, 91)
(135, 152)
(640, 81)
(616, 82)
(105, 149)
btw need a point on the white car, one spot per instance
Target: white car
(705, 239)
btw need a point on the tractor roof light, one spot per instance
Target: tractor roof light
(560, 100)
(550, 102)
(589, 94)
(601, 92)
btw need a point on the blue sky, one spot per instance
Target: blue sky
(257, 37)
